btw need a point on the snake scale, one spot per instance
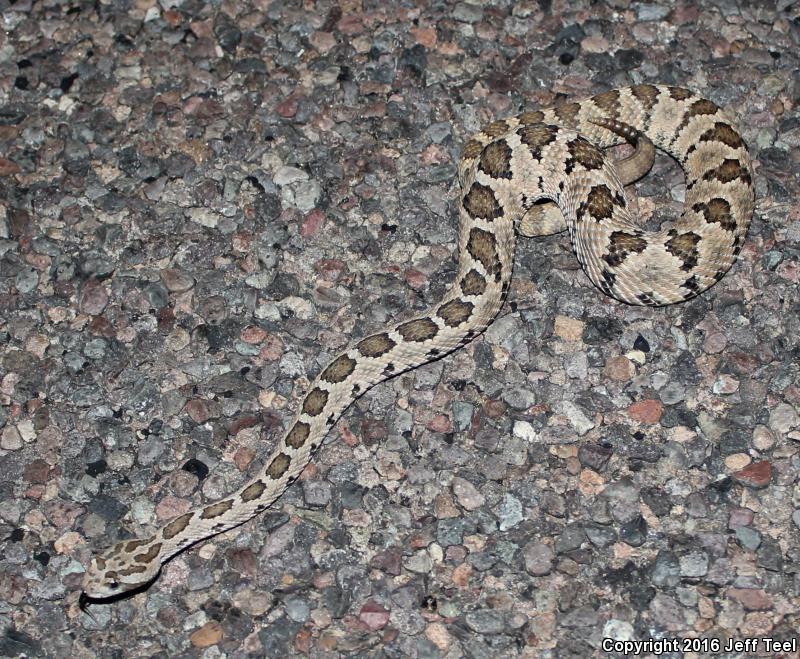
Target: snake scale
(539, 172)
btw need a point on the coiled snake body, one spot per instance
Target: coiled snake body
(553, 155)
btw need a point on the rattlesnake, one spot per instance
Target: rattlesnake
(552, 155)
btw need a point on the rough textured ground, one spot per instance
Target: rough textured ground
(201, 202)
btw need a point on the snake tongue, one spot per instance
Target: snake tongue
(83, 603)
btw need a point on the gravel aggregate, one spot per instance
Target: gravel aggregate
(200, 203)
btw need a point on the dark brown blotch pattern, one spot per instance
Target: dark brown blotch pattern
(339, 370)
(473, 283)
(647, 298)
(176, 526)
(584, 153)
(568, 113)
(254, 490)
(315, 402)
(376, 345)
(684, 247)
(472, 150)
(608, 280)
(298, 435)
(679, 93)
(722, 132)
(532, 117)
(600, 203)
(700, 107)
(693, 285)
(482, 246)
(496, 128)
(133, 544)
(277, 468)
(133, 569)
(647, 95)
(717, 211)
(149, 555)
(730, 170)
(496, 160)
(421, 329)
(620, 245)
(608, 102)
(217, 509)
(536, 137)
(480, 202)
(456, 312)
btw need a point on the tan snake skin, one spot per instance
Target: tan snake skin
(556, 155)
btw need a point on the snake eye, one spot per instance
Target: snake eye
(113, 585)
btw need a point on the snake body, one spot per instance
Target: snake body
(507, 170)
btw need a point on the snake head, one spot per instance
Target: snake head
(125, 567)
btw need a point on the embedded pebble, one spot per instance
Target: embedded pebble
(10, 440)
(509, 512)
(748, 538)
(783, 418)
(94, 298)
(694, 564)
(374, 616)
(757, 475)
(297, 609)
(317, 493)
(485, 622)
(538, 558)
(577, 418)
(467, 494)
